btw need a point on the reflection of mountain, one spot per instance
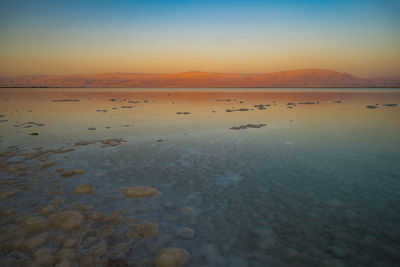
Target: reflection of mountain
(295, 78)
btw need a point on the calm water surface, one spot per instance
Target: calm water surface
(319, 185)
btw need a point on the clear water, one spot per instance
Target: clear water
(318, 186)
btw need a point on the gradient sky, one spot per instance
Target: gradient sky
(61, 37)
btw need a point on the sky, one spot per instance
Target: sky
(361, 37)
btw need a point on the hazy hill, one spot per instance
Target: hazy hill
(294, 78)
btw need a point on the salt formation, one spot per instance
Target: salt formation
(172, 257)
(140, 191)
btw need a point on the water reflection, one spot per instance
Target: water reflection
(317, 186)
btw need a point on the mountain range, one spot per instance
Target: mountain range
(199, 79)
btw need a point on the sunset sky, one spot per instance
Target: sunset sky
(62, 37)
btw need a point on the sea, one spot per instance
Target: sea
(240, 176)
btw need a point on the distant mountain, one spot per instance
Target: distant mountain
(198, 79)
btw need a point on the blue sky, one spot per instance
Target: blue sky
(361, 37)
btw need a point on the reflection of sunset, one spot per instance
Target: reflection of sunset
(149, 110)
(194, 157)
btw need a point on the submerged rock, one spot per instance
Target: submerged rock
(107, 230)
(97, 216)
(188, 211)
(44, 257)
(7, 194)
(98, 250)
(47, 165)
(65, 100)
(58, 201)
(240, 109)
(308, 103)
(112, 142)
(36, 223)
(48, 209)
(82, 143)
(65, 263)
(172, 257)
(73, 172)
(16, 168)
(249, 125)
(371, 106)
(116, 218)
(61, 151)
(261, 106)
(70, 243)
(37, 241)
(147, 229)
(66, 255)
(84, 189)
(121, 248)
(81, 207)
(252, 125)
(186, 233)
(67, 220)
(140, 191)
(90, 241)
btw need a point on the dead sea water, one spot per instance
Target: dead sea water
(228, 177)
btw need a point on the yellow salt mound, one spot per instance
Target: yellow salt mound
(84, 189)
(37, 241)
(172, 257)
(48, 209)
(36, 223)
(16, 167)
(147, 229)
(47, 165)
(97, 216)
(67, 220)
(140, 191)
(70, 242)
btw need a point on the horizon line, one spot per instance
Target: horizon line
(189, 71)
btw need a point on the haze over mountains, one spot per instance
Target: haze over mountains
(198, 79)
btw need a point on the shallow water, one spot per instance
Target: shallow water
(319, 185)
